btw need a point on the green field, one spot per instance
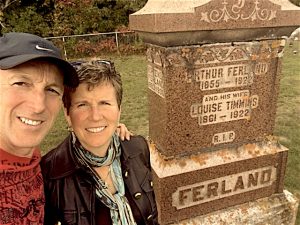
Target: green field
(135, 113)
(288, 118)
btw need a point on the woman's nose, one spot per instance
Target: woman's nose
(96, 114)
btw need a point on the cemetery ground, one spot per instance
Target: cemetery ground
(135, 112)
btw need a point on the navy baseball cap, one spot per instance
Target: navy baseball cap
(18, 48)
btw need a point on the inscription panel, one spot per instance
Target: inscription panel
(202, 92)
(156, 81)
(224, 137)
(222, 187)
(224, 107)
(218, 77)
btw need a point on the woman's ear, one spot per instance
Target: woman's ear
(119, 114)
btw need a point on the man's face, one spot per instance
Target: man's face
(30, 99)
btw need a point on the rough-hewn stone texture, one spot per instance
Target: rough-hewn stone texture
(278, 209)
(212, 96)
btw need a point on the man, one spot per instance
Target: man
(32, 79)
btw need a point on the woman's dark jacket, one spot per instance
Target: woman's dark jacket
(69, 189)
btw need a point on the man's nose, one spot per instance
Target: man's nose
(38, 101)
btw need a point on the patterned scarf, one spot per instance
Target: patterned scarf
(120, 211)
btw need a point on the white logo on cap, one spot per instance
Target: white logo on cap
(43, 49)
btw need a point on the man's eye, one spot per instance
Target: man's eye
(20, 83)
(54, 91)
(104, 103)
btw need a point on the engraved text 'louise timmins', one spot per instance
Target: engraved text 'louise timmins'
(224, 107)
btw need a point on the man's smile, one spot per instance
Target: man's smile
(30, 121)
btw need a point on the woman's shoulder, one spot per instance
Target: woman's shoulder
(135, 139)
(135, 147)
(136, 143)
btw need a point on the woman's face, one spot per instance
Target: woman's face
(94, 116)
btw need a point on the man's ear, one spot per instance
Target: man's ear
(67, 117)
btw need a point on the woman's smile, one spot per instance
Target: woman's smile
(95, 129)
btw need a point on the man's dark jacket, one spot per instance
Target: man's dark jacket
(70, 186)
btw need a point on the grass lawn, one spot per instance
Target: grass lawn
(135, 113)
(288, 118)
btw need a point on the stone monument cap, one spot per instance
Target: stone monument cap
(181, 22)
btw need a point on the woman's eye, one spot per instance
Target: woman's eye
(81, 105)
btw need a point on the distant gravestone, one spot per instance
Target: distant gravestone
(213, 78)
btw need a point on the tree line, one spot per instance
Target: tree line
(68, 17)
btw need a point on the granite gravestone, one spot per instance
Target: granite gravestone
(213, 79)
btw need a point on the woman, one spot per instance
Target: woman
(93, 177)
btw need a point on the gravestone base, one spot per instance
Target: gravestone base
(196, 185)
(277, 209)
